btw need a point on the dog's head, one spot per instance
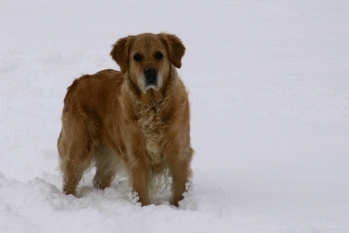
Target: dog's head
(147, 58)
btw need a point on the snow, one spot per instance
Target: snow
(269, 93)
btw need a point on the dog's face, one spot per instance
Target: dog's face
(147, 58)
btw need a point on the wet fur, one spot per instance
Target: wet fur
(112, 120)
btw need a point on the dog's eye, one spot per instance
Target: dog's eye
(137, 57)
(158, 55)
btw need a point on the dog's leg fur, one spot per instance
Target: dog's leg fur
(74, 147)
(106, 163)
(140, 182)
(139, 173)
(181, 173)
(75, 158)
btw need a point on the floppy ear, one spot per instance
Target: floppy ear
(175, 48)
(120, 52)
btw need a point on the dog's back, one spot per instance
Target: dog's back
(93, 90)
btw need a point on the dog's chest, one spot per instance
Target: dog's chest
(152, 126)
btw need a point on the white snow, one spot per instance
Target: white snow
(269, 92)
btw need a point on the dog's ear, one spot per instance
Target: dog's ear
(175, 48)
(120, 52)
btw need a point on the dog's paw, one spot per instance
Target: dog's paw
(96, 184)
(188, 189)
(133, 196)
(188, 201)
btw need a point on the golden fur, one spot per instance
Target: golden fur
(129, 119)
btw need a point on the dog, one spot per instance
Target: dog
(136, 118)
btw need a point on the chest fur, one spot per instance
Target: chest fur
(153, 128)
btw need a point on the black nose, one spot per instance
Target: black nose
(151, 74)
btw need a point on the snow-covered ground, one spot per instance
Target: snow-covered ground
(269, 92)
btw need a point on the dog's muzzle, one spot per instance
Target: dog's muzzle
(151, 76)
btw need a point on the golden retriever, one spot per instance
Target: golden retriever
(137, 119)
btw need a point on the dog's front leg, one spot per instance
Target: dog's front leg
(179, 164)
(181, 173)
(139, 170)
(139, 180)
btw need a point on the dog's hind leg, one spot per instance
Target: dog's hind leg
(75, 158)
(107, 164)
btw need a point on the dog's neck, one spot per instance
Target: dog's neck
(151, 96)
